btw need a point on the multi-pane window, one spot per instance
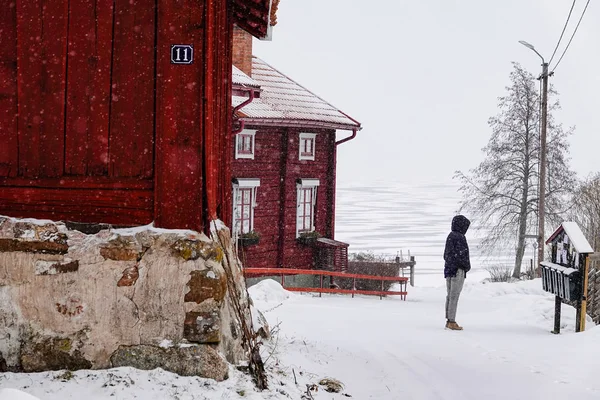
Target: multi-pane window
(305, 209)
(307, 146)
(244, 202)
(307, 199)
(244, 144)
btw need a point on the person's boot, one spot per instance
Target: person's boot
(452, 325)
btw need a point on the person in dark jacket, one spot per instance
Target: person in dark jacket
(457, 264)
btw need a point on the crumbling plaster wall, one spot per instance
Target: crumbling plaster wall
(70, 300)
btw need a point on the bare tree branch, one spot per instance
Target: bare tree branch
(502, 191)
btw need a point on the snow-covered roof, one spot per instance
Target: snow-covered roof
(283, 100)
(241, 79)
(575, 235)
(559, 268)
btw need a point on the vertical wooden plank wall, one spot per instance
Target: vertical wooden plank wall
(224, 115)
(110, 89)
(41, 55)
(179, 117)
(96, 124)
(210, 124)
(217, 124)
(193, 121)
(84, 67)
(89, 86)
(132, 94)
(8, 88)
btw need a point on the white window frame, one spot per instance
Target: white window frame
(302, 139)
(239, 185)
(246, 133)
(302, 184)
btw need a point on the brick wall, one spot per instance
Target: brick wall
(242, 50)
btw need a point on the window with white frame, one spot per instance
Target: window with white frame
(244, 202)
(244, 144)
(307, 146)
(306, 203)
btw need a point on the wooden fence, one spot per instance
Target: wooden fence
(283, 272)
(593, 296)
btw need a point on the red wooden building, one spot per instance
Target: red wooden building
(284, 163)
(118, 111)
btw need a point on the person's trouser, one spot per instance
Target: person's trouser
(454, 285)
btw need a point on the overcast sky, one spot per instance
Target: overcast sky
(423, 77)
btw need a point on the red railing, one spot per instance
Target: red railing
(289, 271)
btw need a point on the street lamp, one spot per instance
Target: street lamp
(530, 46)
(542, 191)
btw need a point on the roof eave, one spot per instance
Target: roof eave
(254, 17)
(241, 90)
(295, 123)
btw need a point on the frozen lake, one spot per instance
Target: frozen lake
(386, 218)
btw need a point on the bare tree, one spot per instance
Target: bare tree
(502, 192)
(586, 210)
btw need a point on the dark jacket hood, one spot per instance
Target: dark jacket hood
(460, 224)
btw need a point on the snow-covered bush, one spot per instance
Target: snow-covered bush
(500, 273)
(368, 263)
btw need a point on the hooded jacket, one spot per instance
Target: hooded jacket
(456, 253)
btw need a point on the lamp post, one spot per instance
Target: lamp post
(542, 190)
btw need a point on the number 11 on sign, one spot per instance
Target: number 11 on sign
(182, 54)
(178, 54)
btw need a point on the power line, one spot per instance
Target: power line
(572, 36)
(563, 31)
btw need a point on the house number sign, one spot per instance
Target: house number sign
(182, 54)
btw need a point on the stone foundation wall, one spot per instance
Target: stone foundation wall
(141, 297)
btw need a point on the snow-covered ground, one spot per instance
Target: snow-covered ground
(381, 349)
(389, 349)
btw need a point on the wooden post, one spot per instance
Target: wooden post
(578, 316)
(531, 268)
(584, 293)
(321, 279)
(557, 306)
(412, 271)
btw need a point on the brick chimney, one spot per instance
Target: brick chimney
(242, 50)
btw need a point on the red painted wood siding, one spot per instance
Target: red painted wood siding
(266, 167)
(193, 115)
(179, 117)
(131, 141)
(8, 88)
(41, 58)
(277, 166)
(296, 255)
(96, 124)
(80, 77)
(223, 114)
(89, 87)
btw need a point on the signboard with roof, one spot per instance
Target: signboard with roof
(565, 275)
